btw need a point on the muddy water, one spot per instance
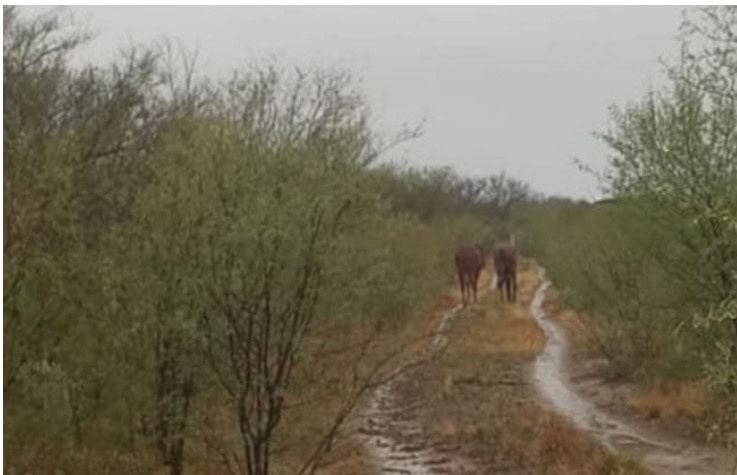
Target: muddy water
(657, 452)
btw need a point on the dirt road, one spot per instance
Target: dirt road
(659, 451)
(492, 397)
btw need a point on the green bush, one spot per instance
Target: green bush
(654, 267)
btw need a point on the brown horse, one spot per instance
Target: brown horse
(505, 265)
(469, 261)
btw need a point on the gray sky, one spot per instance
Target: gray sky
(515, 89)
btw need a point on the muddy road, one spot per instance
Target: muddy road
(658, 451)
(394, 436)
(493, 395)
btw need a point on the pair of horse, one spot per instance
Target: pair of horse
(469, 261)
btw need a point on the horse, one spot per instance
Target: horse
(505, 265)
(469, 261)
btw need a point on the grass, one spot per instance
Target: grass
(689, 400)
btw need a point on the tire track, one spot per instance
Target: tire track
(392, 432)
(658, 453)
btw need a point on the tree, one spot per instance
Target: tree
(172, 242)
(675, 153)
(77, 150)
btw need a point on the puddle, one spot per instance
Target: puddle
(656, 453)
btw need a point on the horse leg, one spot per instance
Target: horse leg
(475, 284)
(463, 293)
(514, 286)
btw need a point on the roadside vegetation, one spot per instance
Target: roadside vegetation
(654, 268)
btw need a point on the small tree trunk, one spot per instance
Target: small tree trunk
(174, 394)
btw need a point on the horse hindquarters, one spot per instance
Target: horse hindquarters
(468, 261)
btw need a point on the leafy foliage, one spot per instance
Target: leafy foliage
(655, 265)
(186, 258)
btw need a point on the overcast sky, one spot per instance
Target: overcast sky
(514, 89)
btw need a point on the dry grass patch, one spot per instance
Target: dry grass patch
(576, 325)
(519, 338)
(351, 460)
(577, 330)
(512, 337)
(565, 450)
(690, 400)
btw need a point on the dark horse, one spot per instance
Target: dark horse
(505, 265)
(469, 261)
